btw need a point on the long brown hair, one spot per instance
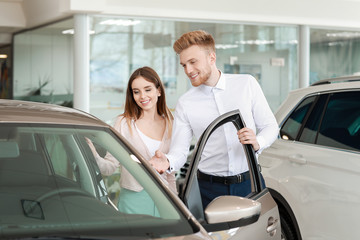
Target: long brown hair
(132, 110)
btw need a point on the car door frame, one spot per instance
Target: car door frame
(190, 191)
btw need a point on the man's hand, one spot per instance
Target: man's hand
(160, 162)
(247, 136)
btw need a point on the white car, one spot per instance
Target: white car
(313, 169)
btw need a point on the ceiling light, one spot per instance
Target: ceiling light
(256, 42)
(68, 31)
(225, 46)
(71, 31)
(344, 34)
(331, 44)
(293, 42)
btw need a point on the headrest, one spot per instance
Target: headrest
(9, 149)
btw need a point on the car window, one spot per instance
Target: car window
(125, 191)
(227, 147)
(333, 121)
(341, 122)
(291, 127)
(52, 180)
(311, 127)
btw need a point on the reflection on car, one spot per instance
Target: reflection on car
(51, 185)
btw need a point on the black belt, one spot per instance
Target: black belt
(224, 180)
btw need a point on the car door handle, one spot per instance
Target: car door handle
(297, 158)
(272, 226)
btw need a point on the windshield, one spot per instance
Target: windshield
(51, 185)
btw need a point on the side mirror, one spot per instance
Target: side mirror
(232, 208)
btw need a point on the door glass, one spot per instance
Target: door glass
(291, 127)
(340, 127)
(311, 127)
(224, 155)
(222, 145)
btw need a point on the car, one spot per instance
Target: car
(51, 186)
(313, 168)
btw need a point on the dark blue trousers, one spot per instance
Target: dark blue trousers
(210, 190)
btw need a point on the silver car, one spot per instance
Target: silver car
(313, 168)
(51, 186)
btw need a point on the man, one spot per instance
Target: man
(216, 93)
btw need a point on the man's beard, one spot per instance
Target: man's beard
(201, 79)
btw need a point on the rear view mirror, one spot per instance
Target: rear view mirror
(232, 208)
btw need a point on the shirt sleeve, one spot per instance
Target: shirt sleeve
(108, 164)
(266, 125)
(180, 140)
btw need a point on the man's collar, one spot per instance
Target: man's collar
(221, 83)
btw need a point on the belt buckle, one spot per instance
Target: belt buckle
(239, 178)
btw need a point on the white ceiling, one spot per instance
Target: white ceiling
(17, 15)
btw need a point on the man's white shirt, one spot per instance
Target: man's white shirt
(198, 107)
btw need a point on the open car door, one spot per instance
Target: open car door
(253, 217)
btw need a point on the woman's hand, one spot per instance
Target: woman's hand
(160, 162)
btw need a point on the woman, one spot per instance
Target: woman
(146, 123)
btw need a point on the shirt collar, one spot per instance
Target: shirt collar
(220, 85)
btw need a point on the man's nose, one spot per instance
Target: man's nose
(188, 69)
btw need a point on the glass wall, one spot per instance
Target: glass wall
(120, 45)
(43, 63)
(334, 53)
(43, 58)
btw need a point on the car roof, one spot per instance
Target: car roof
(17, 111)
(327, 85)
(353, 78)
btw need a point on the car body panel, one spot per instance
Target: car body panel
(309, 185)
(21, 111)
